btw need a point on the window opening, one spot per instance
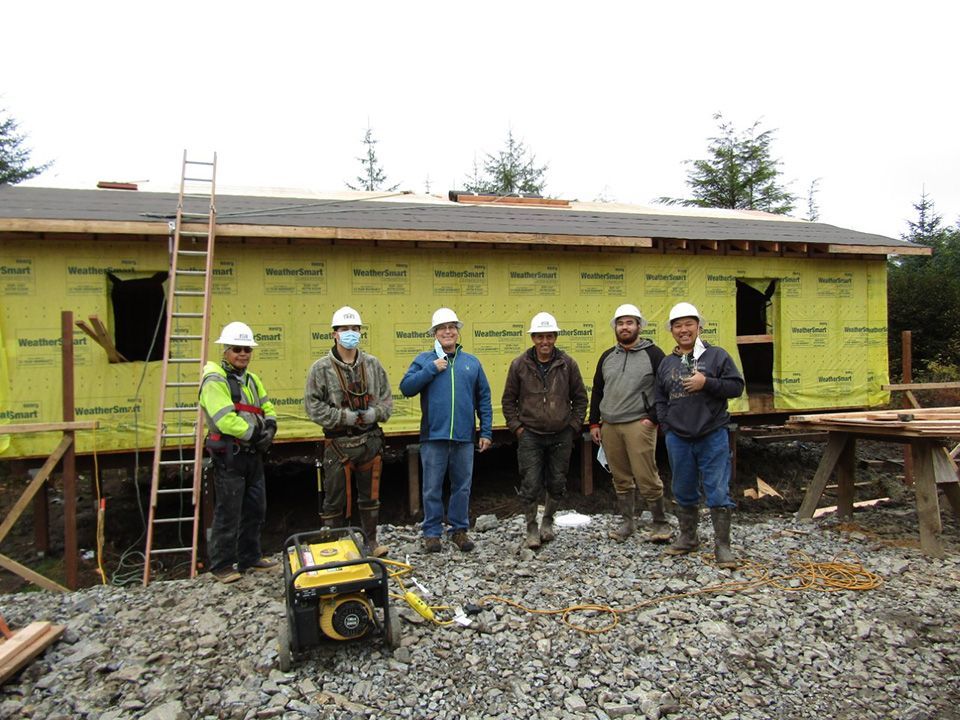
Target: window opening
(754, 316)
(139, 305)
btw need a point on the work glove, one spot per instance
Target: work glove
(267, 435)
(368, 416)
(257, 434)
(349, 417)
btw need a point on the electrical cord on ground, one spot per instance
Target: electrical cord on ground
(101, 510)
(418, 604)
(832, 576)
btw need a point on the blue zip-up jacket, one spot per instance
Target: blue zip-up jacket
(450, 400)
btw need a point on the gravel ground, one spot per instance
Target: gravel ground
(185, 649)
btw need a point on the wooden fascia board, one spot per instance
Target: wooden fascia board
(879, 250)
(288, 232)
(413, 236)
(85, 227)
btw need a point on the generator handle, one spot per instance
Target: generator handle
(295, 540)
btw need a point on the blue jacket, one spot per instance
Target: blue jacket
(450, 400)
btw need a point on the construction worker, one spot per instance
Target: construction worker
(622, 401)
(241, 425)
(348, 394)
(544, 403)
(694, 383)
(453, 392)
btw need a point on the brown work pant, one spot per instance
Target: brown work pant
(631, 449)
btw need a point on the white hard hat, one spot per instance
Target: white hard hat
(628, 310)
(683, 309)
(543, 322)
(345, 316)
(236, 333)
(444, 316)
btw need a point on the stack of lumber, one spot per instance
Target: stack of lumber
(21, 646)
(930, 423)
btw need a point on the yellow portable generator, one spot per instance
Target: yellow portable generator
(333, 591)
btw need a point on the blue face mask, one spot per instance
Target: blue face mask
(349, 339)
(438, 349)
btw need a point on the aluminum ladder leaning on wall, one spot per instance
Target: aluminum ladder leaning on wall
(174, 524)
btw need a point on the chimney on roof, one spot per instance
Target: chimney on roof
(110, 185)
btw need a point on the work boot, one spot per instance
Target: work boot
(660, 531)
(687, 541)
(431, 544)
(546, 524)
(462, 540)
(226, 575)
(626, 504)
(721, 537)
(334, 520)
(263, 564)
(533, 534)
(368, 521)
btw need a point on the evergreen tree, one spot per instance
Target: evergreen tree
(14, 155)
(739, 174)
(372, 177)
(513, 170)
(923, 294)
(813, 209)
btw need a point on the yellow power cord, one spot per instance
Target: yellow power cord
(101, 510)
(411, 598)
(831, 576)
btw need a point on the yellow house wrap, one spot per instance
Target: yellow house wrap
(826, 317)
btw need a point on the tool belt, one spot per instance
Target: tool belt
(226, 447)
(375, 465)
(346, 441)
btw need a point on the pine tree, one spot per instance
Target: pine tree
(739, 174)
(923, 294)
(14, 156)
(372, 177)
(813, 209)
(513, 170)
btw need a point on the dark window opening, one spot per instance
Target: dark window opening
(756, 358)
(139, 316)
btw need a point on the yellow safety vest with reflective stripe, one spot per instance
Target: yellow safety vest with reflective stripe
(220, 411)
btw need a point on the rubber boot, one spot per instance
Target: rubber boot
(547, 533)
(660, 531)
(368, 521)
(533, 534)
(332, 521)
(721, 537)
(687, 541)
(626, 504)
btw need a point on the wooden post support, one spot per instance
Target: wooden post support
(846, 472)
(413, 479)
(70, 556)
(928, 507)
(836, 443)
(41, 520)
(586, 464)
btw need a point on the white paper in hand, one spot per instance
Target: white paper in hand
(602, 459)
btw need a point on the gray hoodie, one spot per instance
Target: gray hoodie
(623, 385)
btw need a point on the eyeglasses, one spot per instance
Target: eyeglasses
(241, 349)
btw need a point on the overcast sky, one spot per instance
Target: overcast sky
(612, 96)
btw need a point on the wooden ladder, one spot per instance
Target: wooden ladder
(178, 445)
